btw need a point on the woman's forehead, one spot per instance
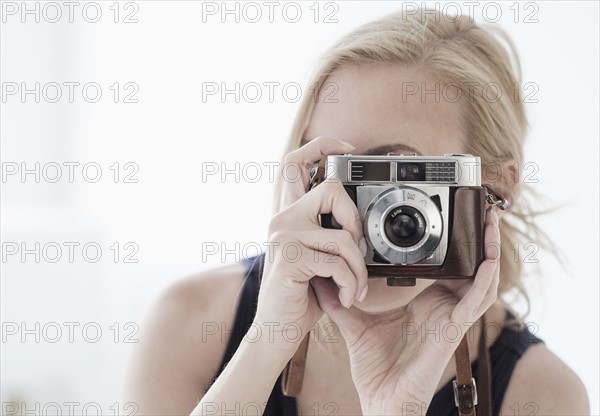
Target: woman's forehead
(385, 105)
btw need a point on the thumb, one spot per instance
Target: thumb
(351, 321)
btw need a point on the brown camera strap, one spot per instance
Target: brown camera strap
(484, 374)
(465, 390)
(293, 373)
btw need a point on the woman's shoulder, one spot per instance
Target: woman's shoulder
(541, 382)
(182, 339)
(205, 304)
(205, 291)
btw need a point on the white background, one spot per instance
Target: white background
(168, 135)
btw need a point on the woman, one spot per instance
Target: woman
(362, 359)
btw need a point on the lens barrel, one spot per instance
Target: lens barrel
(404, 226)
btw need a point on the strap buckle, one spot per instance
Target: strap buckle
(465, 391)
(495, 198)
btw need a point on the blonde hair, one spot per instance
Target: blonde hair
(454, 50)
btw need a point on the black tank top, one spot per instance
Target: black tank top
(504, 354)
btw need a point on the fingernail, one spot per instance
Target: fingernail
(363, 294)
(362, 245)
(348, 145)
(348, 303)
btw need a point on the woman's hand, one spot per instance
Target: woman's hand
(301, 249)
(395, 364)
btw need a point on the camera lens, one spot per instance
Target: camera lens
(404, 226)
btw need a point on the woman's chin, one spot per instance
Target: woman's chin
(382, 297)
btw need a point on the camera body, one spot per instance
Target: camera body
(422, 216)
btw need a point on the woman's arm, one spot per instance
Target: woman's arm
(181, 343)
(239, 389)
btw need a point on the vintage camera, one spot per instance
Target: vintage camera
(423, 217)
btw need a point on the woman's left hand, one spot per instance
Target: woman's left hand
(392, 370)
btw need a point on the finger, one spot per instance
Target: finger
(326, 265)
(297, 165)
(330, 197)
(338, 243)
(470, 306)
(494, 243)
(459, 287)
(351, 321)
(492, 294)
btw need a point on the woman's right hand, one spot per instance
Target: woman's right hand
(300, 249)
